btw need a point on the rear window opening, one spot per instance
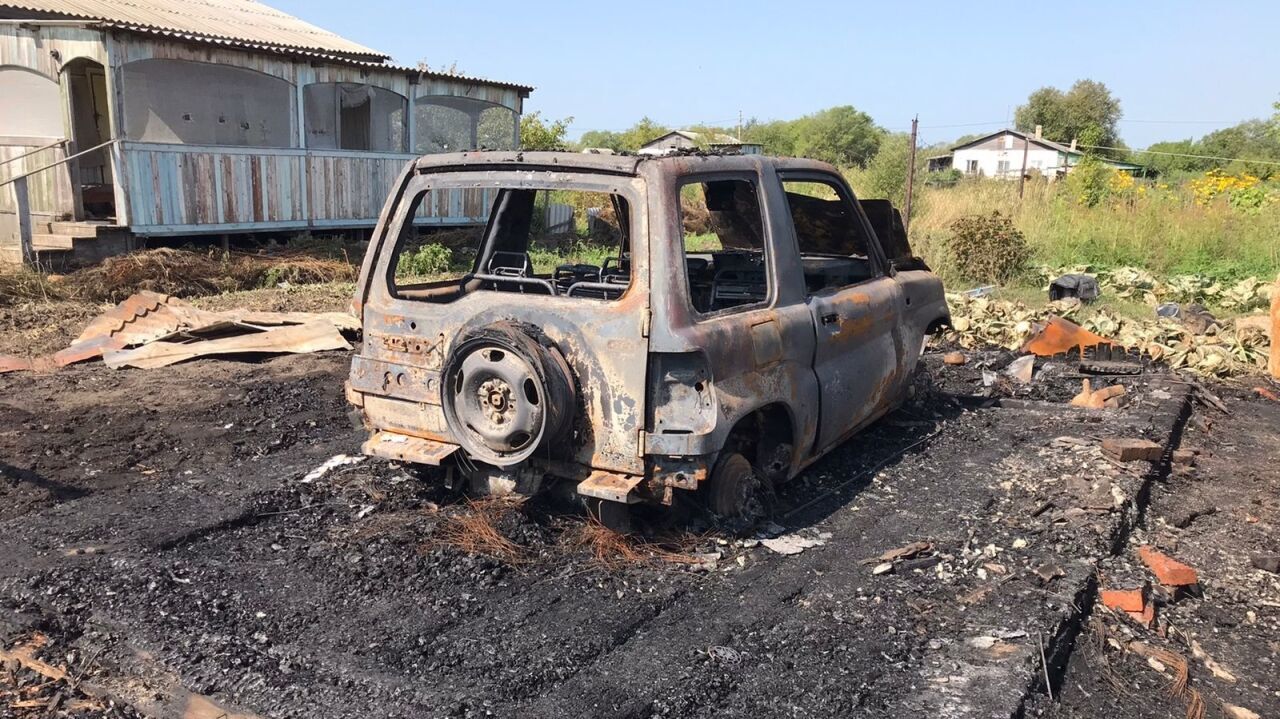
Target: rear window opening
(551, 242)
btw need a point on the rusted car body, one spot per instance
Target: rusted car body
(729, 368)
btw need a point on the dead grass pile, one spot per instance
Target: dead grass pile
(184, 273)
(475, 530)
(613, 551)
(23, 285)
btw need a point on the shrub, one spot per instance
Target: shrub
(429, 259)
(987, 248)
(1089, 182)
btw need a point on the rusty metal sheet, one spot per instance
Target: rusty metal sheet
(11, 363)
(610, 486)
(1059, 336)
(403, 448)
(292, 339)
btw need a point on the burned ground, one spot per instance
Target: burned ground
(160, 542)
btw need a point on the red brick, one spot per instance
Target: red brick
(1146, 617)
(1128, 600)
(1169, 571)
(1128, 449)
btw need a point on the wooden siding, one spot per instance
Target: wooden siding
(186, 189)
(34, 49)
(48, 192)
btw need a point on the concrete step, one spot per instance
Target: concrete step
(77, 229)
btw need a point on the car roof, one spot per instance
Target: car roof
(679, 163)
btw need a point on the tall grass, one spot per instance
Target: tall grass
(1161, 229)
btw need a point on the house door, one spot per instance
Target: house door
(86, 83)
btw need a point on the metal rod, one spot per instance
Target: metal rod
(63, 161)
(29, 153)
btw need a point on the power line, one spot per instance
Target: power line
(1182, 154)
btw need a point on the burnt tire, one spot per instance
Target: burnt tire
(737, 494)
(507, 393)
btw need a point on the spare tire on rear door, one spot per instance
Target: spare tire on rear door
(507, 393)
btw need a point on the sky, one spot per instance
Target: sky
(1180, 69)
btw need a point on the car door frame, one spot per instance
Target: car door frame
(858, 339)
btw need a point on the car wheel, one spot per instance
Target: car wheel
(506, 395)
(736, 493)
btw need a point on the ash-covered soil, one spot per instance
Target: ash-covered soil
(159, 540)
(1216, 514)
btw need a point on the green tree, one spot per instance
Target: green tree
(776, 137)
(841, 135)
(1174, 163)
(646, 130)
(886, 175)
(535, 134)
(602, 138)
(1249, 140)
(1087, 113)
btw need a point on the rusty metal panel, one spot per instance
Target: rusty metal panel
(611, 487)
(403, 448)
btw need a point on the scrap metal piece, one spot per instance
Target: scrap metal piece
(292, 339)
(610, 486)
(403, 448)
(1059, 336)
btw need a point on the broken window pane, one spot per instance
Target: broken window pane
(351, 116)
(198, 103)
(724, 248)
(540, 242)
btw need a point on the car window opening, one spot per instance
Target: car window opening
(723, 229)
(833, 244)
(550, 242)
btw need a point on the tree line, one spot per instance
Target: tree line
(1087, 112)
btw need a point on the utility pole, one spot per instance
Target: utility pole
(1022, 178)
(911, 175)
(740, 126)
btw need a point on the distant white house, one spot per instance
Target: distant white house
(1000, 155)
(677, 140)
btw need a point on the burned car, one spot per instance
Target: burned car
(749, 315)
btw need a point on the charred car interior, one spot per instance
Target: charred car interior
(748, 316)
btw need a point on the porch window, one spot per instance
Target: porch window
(351, 116)
(445, 123)
(197, 103)
(33, 107)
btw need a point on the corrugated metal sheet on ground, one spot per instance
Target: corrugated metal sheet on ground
(242, 20)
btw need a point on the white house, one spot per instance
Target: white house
(677, 140)
(1000, 155)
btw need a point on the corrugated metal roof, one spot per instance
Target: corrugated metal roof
(237, 21)
(322, 56)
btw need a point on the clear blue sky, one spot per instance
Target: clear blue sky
(1180, 69)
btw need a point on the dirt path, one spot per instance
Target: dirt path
(158, 523)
